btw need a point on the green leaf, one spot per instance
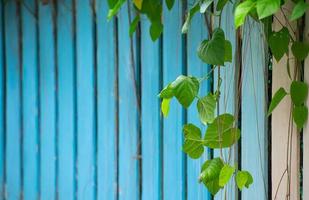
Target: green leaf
(113, 11)
(185, 89)
(299, 10)
(193, 144)
(300, 116)
(112, 3)
(243, 179)
(222, 127)
(225, 175)
(165, 106)
(221, 4)
(266, 8)
(155, 30)
(300, 50)
(190, 15)
(169, 4)
(228, 51)
(134, 24)
(167, 92)
(279, 43)
(138, 4)
(204, 5)
(277, 98)
(299, 92)
(241, 11)
(206, 108)
(210, 174)
(213, 51)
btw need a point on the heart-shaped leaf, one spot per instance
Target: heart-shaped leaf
(206, 108)
(300, 116)
(277, 98)
(299, 92)
(279, 43)
(193, 144)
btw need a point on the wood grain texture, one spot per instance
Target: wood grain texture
(107, 100)
(196, 67)
(30, 101)
(151, 117)
(174, 159)
(13, 103)
(66, 101)
(128, 111)
(254, 135)
(280, 129)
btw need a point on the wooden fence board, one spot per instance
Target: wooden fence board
(66, 101)
(151, 116)
(280, 129)
(47, 102)
(254, 137)
(107, 100)
(228, 92)
(13, 102)
(196, 33)
(2, 97)
(30, 101)
(128, 111)
(174, 159)
(86, 119)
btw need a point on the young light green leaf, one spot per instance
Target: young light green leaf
(221, 4)
(299, 10)
(190, 15)
(243, 179)
(213, 51)
(133, 25)
(299, 92)
(204, 5)
(155, 30)
(165, 106)
(210, 174)
(242, 10)
(206, 108)
(225, 175)
(220, 133)
(279, 43)
(300, 50)
(228, 51)
(277, 98)
(266, 8)
(167, 92)
(193, 144)
(169, 4)
(300, 116)
(185, 89)
(138, 4)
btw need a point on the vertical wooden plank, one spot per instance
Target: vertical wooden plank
(13, 102)
(280, 129)
(85, 101)
(196, 34)
(174, 159)
(128, 113)
(30, 101)
(66, 100)
(47, 102)
(106, 76)
(254, 139)
(228, 93)
(2, 100)
(151, 127)
(306, 129)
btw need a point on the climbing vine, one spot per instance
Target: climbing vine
(222, 131)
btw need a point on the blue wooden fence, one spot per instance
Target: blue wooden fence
(79, 113)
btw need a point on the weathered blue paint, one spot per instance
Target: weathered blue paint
(196, 67)
(151, 117)
(85, 101)
(174, 160)
(47, 103)
(254, 145)
(2, 96)
(227, 96)
(13, 103)
(128, 112)
(30, 101)
(107, 104)
(66, 102)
